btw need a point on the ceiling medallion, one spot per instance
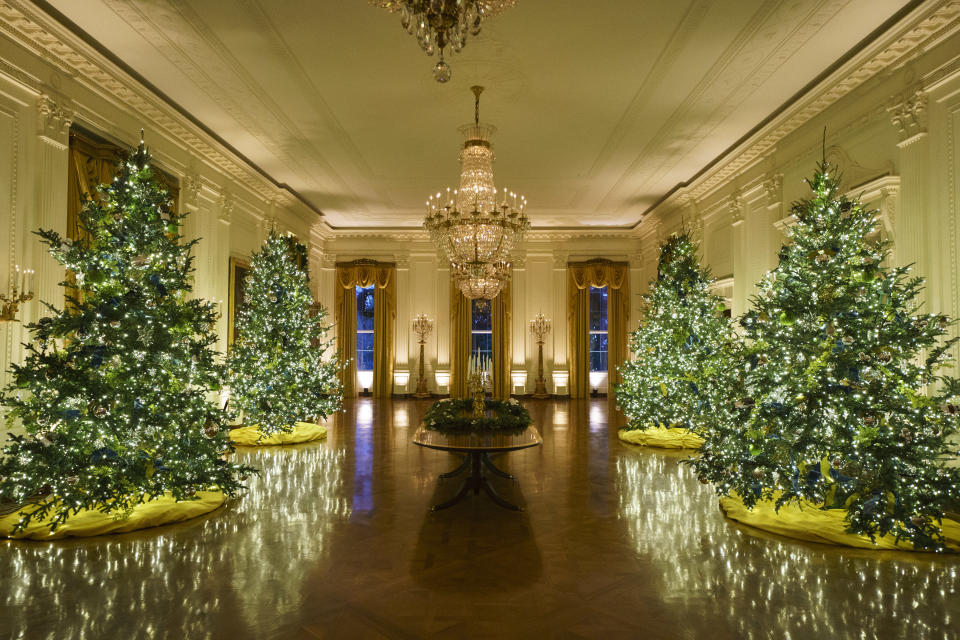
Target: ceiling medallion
(443, 25)
(474, 226)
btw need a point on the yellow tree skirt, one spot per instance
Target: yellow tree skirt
(663, 437)
(302, 432)
(154, 513)
(806, 521)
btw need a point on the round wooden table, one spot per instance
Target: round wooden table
(477, 447)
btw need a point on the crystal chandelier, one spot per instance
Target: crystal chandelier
(474, 226)
(443, 24)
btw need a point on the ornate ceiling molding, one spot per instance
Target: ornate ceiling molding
(776, 32)
(31, 28)
(930, 22)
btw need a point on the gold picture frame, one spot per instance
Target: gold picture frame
(239, 268)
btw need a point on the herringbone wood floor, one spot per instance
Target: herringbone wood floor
(335, 541)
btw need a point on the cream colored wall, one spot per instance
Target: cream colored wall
(539, 285)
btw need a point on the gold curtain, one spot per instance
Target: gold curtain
(460, 342)
(363, 274)
(582, 276)
(502, 358)
(460, 316)
(93, 162)
(90, 163)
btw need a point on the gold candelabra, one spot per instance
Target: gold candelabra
(20, 290)
(422, 325)
(540, 327)
(478, 379)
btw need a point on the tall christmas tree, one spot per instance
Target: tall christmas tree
(278, 373)
(113, 395)
(682, 348)
(844, 405)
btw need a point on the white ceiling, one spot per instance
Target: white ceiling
(602, 107)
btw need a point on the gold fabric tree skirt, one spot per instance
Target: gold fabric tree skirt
(663, 437)
(806, 521)
(302, 432)
(163, 510)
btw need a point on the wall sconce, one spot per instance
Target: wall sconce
(19, 290)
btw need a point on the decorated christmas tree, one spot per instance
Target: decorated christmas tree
(278, 370)
(680, 376)
(113, 394)
(843, 403)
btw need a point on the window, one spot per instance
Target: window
(365, 328)
(598, 329)
(481, 329)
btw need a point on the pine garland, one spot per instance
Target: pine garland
(456, 416)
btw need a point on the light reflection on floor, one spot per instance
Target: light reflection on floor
(335, 540)
(146, 583)
(801, 590)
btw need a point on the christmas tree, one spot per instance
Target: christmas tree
(278, 374)
(844, 406)
(113, 394)
(682, 348)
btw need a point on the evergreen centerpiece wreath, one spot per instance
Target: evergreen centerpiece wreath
(456, 416)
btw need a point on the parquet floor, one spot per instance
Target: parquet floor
(335, 541)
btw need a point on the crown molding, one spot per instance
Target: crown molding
(416, 234)
(38, 28)
(926, 23)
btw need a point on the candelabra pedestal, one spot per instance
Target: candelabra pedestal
(540, 327)
(422, 391)
(541, 389)
(422, 326)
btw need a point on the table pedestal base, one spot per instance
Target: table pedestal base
(476, 481)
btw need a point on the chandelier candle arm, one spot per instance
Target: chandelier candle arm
(540, 327)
